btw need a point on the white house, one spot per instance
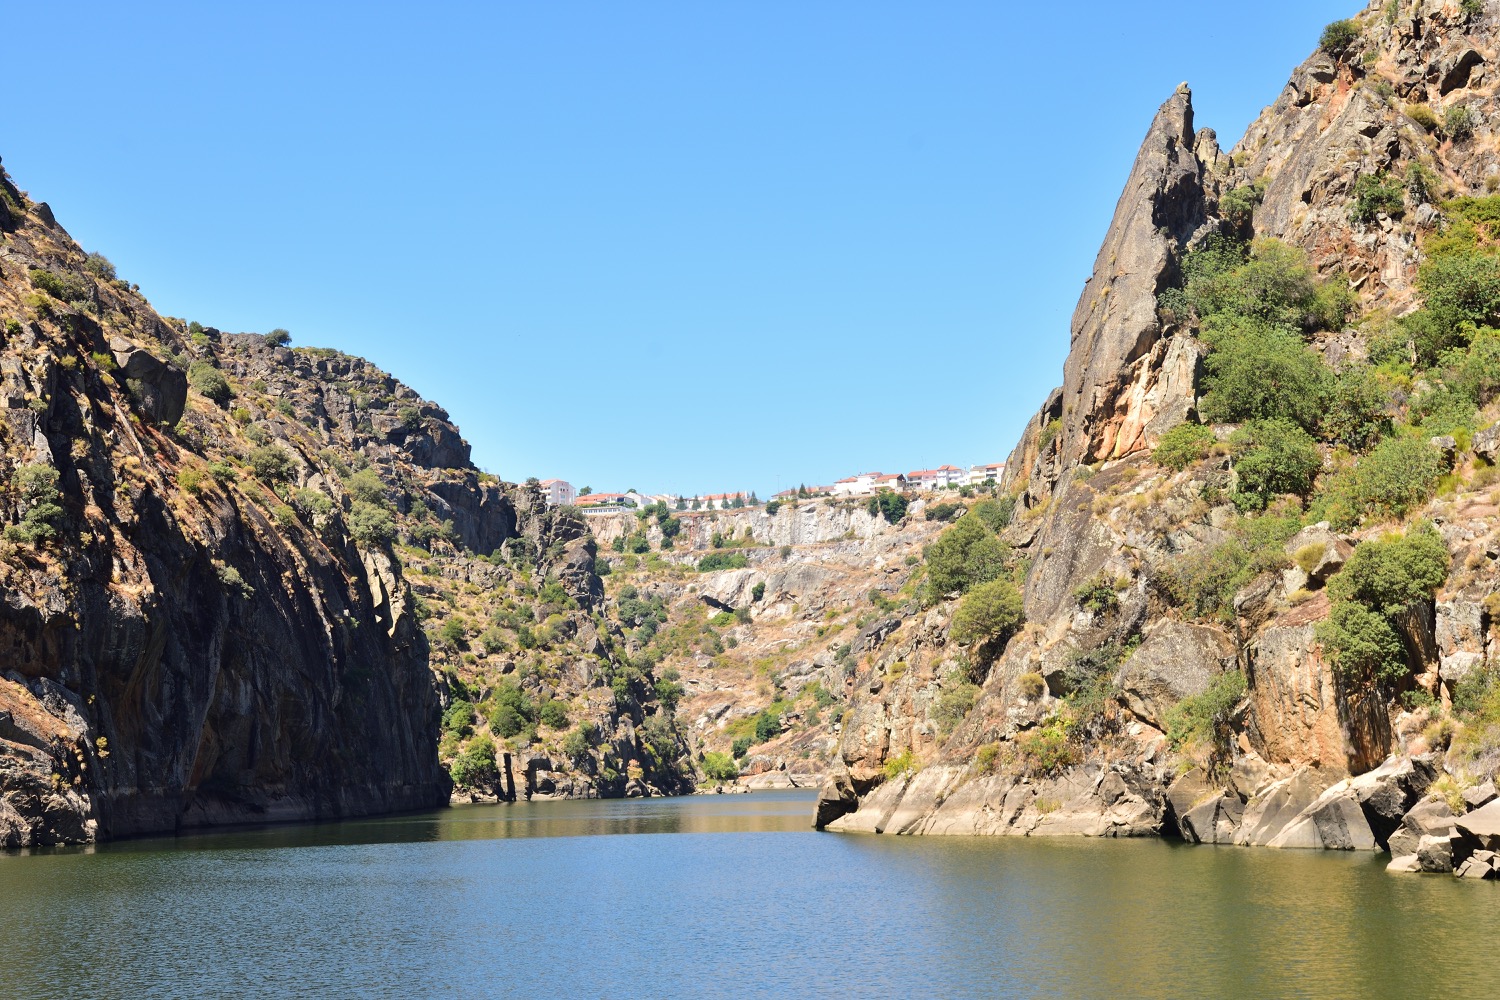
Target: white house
(980, 474)
(857, 486)
(937, 479)
(559, 492)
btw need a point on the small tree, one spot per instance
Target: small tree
(1339, 37)
(719, 766)
(278, 338)
(988, 612)
(271, 464)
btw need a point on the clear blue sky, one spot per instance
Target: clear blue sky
(674, 246)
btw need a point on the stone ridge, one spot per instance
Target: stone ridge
(1314, 760)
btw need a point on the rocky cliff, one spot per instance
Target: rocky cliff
(754, 617)
(1191, 655)
(205, 596)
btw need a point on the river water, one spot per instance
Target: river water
(723, 896)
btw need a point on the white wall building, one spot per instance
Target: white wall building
(559, 492)
(980, 474)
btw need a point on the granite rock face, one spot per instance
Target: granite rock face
(1115, 547)
(212, 628)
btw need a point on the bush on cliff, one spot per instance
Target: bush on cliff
(34, 488)
(964, 556)
(271, 464)
(1397, 476)
(1205, 718)
(888, 504)
(1183, 445)
(1382, 580)
(1257, 371)
(989, 611)
(719, 766)
(209, 381)
(475, 765)
(370, 524)
(1339, 37)
(1271, 458)
(722, 560)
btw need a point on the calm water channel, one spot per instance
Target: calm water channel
(723, 896)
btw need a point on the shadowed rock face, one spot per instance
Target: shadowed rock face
(188, 650)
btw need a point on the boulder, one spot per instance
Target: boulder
(158, 388)
(1405, 863)
(1174, 661)
(1476, 867)
(1429, 817)
(1387, 793)
(1435, 854)
(1480, 795)
(1192, 806)
(835, 799)
(1482, 826)
(1486, 443)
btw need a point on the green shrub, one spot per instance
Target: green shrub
(475, 766)
(371, 524)
(758, 591)
(1097, 595)
(66, 287)
(1392, 574)
(1272, 457)
(902, 763)
(553, 714)
(1397, 476)
(719, 766)
(995, 514)
(1382, 579)
(278, 338)
(1205, 718)
(988, 611)
(1238, 205)
(1459, 122)
(1204, 580)
(459, 718)
(1339, 37)
(271, 464)
(1183, 445)
(1355, 416)
(1047, 749)
(965, 555)
(1471, 8)
(1261, 372)
(954, 703)
(722, 560)
(767, 726)
(741, 746)
(1461, 287)
(99, 266)
(35, 488)
(1376, 195)
(888, 504)
(942, 511)
(366, 485)
(579, 741)
(209, 382)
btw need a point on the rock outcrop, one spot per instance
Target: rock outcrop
(1080, 719)
(203, 616)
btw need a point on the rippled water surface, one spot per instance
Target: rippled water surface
(723, 896)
